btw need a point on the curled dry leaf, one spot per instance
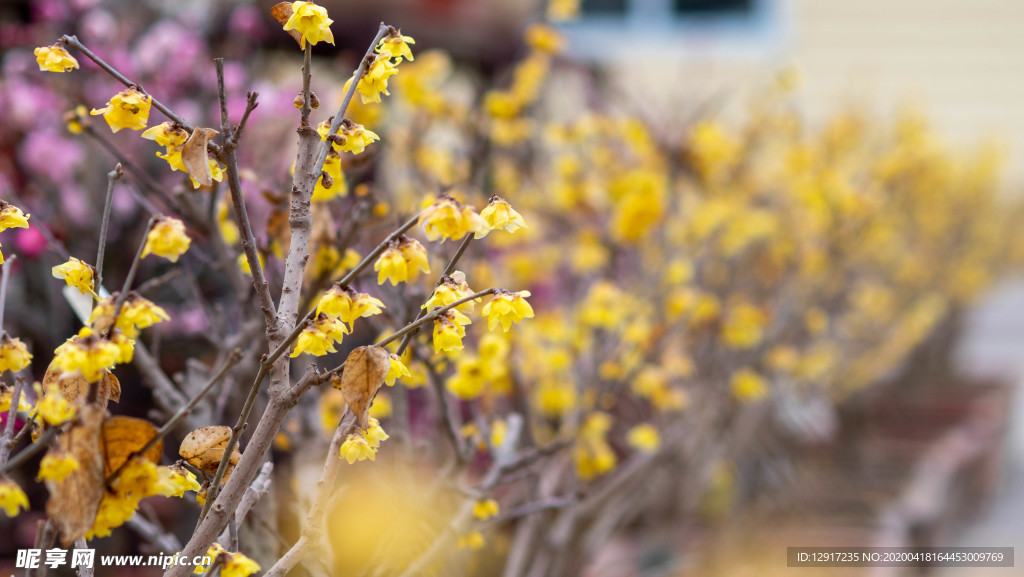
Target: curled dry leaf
(74, 500)
(75, 388)
(204, 447)
(282, 12)
(194, 156)
(122, 437)
(364, 373)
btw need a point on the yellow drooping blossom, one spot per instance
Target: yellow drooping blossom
(347, 304)
(351, 137)
(449, 330)
(374, 433)
(55, 58)
(171, 137)
(396, 370)
(138, 479)
(12, 498)
(12, 216)
(127, 109)
(544, 39)
(474, 541)
(14, 355)
(374, 80)
(391, 266)
(77, 274)
(469, 379)
(57, 466)
(332, 183)
(748, 386)
(311, 21)
(593, 455)
(167, 238)
(506, 308)
(644, 438)
(486, 509)
(445, 218)
(499, 214)
(320, 335)
(397, 44)
(90, 354)
(137, 312)
(174, 481)
(52, 406)
(357, 448)
(452, 288)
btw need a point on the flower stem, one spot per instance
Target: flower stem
(112, 177)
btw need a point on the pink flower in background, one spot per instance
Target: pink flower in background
(29, 242)
(52, 155)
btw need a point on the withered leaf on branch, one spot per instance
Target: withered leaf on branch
(74, 500)
(122, 437)
(194, 156)
(282, 12)
(364, 373)
(204, 447)
(75, 387)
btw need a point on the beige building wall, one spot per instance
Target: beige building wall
(961, 60)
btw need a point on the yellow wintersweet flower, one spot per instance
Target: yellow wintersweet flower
(644, 438)
(332, 184)
(14, 355)
(125, 347)
(473, 541)
(747, 386)
(560, 10)
(500, 214)
(312, 22)
(12, 498)
(391, 266)
(375, 434)
(313, 341)
(238, 565)
(485, 509)
(89, 354)
(415, 256)
(127, 109)
(448, 333)
(348, 305)
(137, 312)
(77, 274)
(447, 219)
(396, 370)
(55, 58)
(216, 172)
(375, 77)
(506, 308)
(174, 481)
(452, 289)
(12, 217)
(469, 379)
(544, 39)
(57, 466)
(52, 406)
(356, 448)
(171, 137)
(397, 45)
(743, 328)
(6, 396)
(167, 238)
(354, 138)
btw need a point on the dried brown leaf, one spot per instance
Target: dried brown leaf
(282, 12)
(74, 500)
(204, 447)
(364, 373)
(122, 437)
(75, 388)
(195, 157)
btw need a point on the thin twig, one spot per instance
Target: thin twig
(6, 440)
(232, 360)
(5, 274)
(128, 280)
(259, 280)
(73, 41)
(29, 451)
(112, 177)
